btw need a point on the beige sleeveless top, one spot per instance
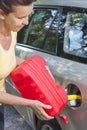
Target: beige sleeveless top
(7, 61)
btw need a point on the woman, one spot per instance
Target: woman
(13, 17)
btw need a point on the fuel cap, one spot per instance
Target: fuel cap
(64, 118)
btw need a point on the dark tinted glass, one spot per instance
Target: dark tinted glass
(41, 32)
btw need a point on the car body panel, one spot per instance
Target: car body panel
(65, 72)
(70, 3)
(25, 112)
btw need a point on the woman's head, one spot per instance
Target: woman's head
(14, 14)
(8, 5)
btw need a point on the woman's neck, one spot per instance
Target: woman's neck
(4, 31)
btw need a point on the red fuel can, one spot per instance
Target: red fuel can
(34, 81)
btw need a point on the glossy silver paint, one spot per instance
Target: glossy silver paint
(70, 3)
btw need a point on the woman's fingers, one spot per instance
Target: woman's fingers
(45, 116)
(40, 112)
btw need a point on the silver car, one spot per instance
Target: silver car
(57, 31)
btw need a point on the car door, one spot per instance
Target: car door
(47, 35)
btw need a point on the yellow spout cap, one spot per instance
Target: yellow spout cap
(74, 97)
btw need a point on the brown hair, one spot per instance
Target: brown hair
(7, 5)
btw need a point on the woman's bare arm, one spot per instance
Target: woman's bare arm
(37, 106)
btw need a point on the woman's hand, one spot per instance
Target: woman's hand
(38, 107)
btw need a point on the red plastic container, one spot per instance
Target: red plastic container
(34, 81)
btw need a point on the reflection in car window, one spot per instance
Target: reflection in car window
(50, 40)
(41, 32)
(75, 38)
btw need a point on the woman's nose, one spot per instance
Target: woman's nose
(26, 21)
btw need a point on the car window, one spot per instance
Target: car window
(59, 31)
(75, 36)
(42, 29)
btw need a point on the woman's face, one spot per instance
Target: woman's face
(18, 19)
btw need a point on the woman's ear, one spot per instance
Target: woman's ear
(2, 14)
